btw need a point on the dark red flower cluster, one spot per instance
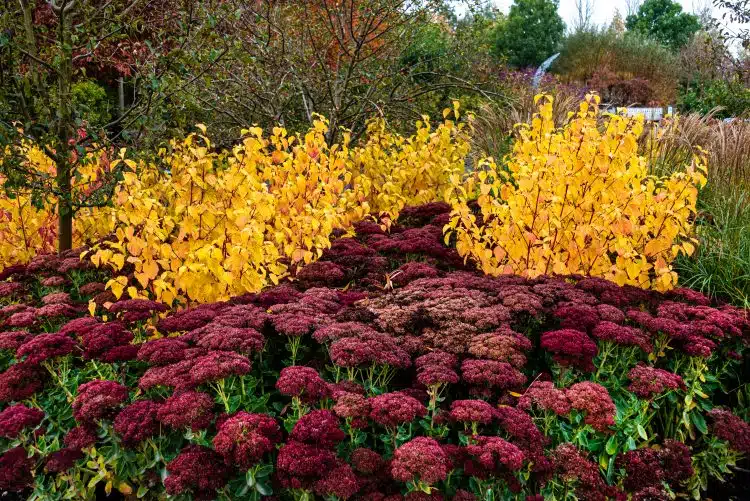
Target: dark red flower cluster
(244, 438)
(197, 470)
(16, 470)
(593, 399)
(45, 346)
(319, 428)
(62, 460)
(187, 409)
(572, 465)
(544, 395)
(393, 409)
(649, 382)
(20, 381)
(493, 456)
(97, 400)
(321, 273)
(299, 465)
(420, 460)
(731, 428)
(368, 349)
(192, 372)
(504, 345)
(352, 406)
(623, 335)
(137, 422)
(492, 374)
(11, 340)
(108, 342)
(16, 418)
(80, 437)
(472, 411)
(570, 348)
(302, 382)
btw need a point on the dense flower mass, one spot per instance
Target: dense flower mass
(243, 439)
(421, 460)
(16, 418)
(412, 378)
(197, 470)
(98, 400)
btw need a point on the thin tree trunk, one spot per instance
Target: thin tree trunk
(121, 95)
(28, 25)
(65, 134)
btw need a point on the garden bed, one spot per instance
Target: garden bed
(388, 368)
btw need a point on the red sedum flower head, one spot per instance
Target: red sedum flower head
(45, 346)
(492, 374)
(187, 409)
(494, 455)
(299, 465)
(16, 470)
(244, 438)
(393, 409)
(20, 381)
(98, 399)
(340, 482)
(302, 382)
(731, 428)
(137, 422)
(62, 460)
(80, 437)
(472, 411)
(420, 460)
(319, 428)
(197, 470)
(570, 348)
(16, 418)
(649, 382)
(544, 395)
(596, 402)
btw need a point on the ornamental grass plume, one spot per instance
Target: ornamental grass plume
(393, 409)
(649, 382)
(302, 382)
(137, 422)
(570, 348)
(45, 347)
(98, 399)
(731, 428)
(197, 470)
(16, 418)
(16, 470)
(244, 438)
(543, 395)
(420, 461)
(593, 399)
(187, 409)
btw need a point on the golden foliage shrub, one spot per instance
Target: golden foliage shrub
(577, 200)
(391, 171)
(28, 229)
(208, 225)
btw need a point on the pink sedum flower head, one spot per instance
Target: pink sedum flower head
(594, 400)
(137, 422)
(340, 482)
(649, 382)
(197, 470)
(543, 395)
(187, 409)
(570, 348)
(420, 460)
(472, 411)
(244, 438)
(393, 409)
(492, 374)
(319, 428)
(46, 346)
(302, 382)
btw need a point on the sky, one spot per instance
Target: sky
(604, 10)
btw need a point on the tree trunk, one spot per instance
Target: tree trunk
(28, 25)
(121, 96)
(65, 135)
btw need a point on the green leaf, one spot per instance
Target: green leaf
(631, 444)
(699, 421)
(642, 431)
(611, 447)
